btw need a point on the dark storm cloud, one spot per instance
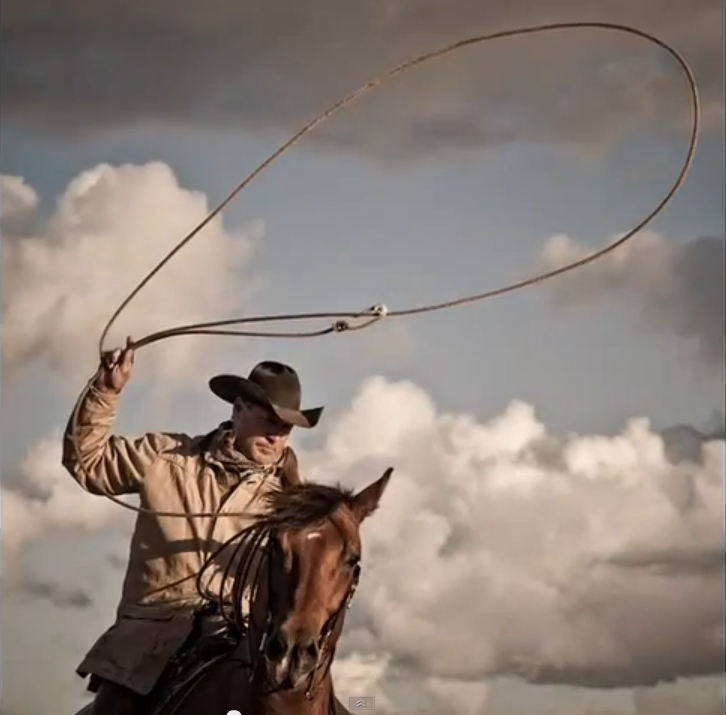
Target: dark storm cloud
(680, 287)
(685, 442)
(80, 66)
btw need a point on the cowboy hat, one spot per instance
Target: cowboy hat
(271, 385)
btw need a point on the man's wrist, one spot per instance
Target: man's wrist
(100, 385)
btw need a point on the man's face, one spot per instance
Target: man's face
(260, 434)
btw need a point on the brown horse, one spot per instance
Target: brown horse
(297, 568)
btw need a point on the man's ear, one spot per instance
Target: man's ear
(366, 501)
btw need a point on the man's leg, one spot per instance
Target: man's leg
(112, 699)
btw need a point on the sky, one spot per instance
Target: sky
(552, 538)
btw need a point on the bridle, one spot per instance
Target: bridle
(256, 541)
(324, 660)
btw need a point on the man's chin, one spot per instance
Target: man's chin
(265, 458)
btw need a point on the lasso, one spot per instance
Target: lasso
(358, 320)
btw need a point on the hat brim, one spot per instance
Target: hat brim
(230, 388)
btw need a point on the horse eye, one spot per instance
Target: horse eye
(353, 561)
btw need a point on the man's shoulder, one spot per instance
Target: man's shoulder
(184, 447)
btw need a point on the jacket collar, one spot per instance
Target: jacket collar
(219, 447)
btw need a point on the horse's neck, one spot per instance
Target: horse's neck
(296, 702)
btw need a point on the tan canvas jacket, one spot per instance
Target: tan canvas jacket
(170, 472)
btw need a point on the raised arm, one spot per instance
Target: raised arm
(101, 462)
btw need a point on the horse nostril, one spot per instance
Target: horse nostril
(276, 647)
(311, 650)
(307, 652)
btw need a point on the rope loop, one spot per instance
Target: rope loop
(347, 322)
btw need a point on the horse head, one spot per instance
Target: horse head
(314, 554)
(285, 591)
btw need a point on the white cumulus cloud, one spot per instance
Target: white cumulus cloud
(64, 275)
(46, 499)
(503, 549)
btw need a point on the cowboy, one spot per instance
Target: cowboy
(227, 470)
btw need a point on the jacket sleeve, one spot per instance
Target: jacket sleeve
(101, 462)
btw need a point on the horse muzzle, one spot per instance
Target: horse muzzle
(290, 660)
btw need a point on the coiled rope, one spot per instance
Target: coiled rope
(358, 320)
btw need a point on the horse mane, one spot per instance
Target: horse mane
(303, 505)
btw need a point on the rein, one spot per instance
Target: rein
(253, 542)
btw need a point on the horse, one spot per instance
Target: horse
(297, 569)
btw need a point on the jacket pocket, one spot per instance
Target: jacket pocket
(136, 649)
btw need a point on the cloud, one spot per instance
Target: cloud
(62, 277)
(396, 691)
(18, 203)
(467, 698)
(700, 697)
(47, 499)
(358, 675)
(678, 288)
(57, 595)
(275, 65)
(501, 549)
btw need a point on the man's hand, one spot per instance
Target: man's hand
(116, 368)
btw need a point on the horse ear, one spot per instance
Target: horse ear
(290, 474)
(367, 500)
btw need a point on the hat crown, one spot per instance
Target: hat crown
(271, 385)
(279, 382)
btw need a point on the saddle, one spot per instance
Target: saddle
(207, 646)
(193, 662)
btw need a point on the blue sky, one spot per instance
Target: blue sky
(345, 229)
(345, 233)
